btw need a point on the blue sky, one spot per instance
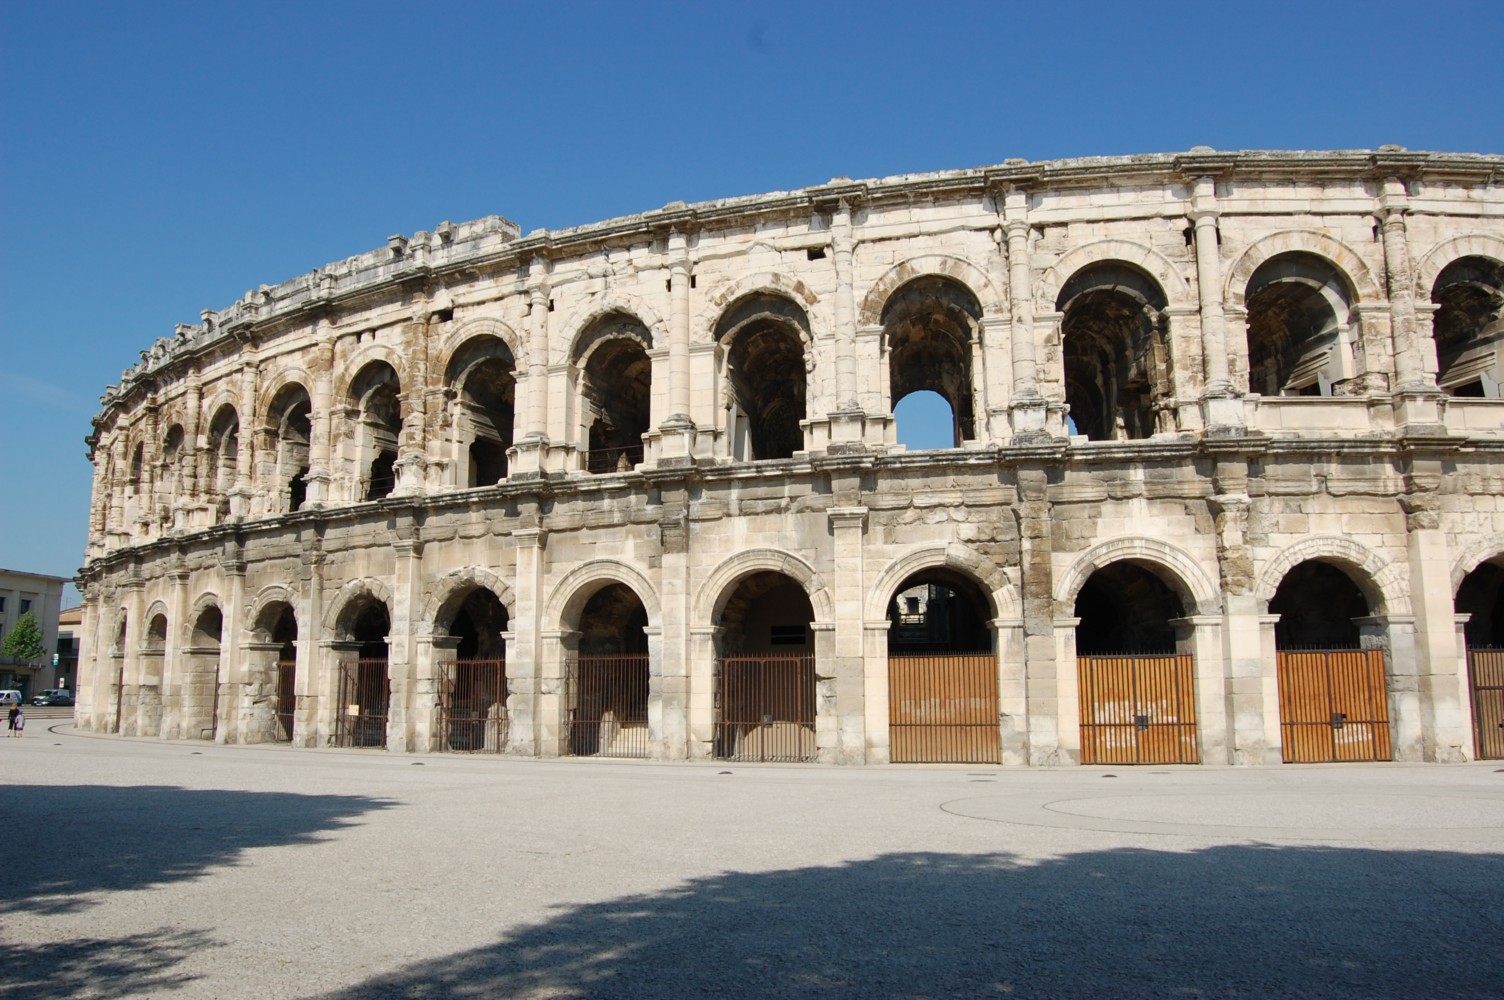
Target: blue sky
(158, 159)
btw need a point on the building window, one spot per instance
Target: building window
(2, 605)
(25, 605)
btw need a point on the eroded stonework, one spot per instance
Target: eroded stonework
(635, 488)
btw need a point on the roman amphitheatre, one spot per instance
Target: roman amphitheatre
(1224, 484)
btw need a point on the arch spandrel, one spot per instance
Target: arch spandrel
(1312, 241)
(961, 558)
(973, 278)
(569, 595)
(1199, 593)
(352, 590)
(1448, 252)
(1153, 263)
(471, 329)
(712, 595)
(447, 592)
(1383, 583)
(1487, 549)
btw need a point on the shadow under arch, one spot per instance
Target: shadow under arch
(1172, 564)
(719, 585)
(1380, 582)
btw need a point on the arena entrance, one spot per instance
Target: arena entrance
(1137, 694)
(280, 625)
(765, 673)
(472, 683)
(200, 690)
(1481, 597)
(1333, 702)
(608, 677)
(365, 694)
(942, 673)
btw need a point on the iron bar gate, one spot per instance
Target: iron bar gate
(287, 674)
(364, 698)
(766, 708)
(473, 705)
(1333, 706)
(1485, 669)
(942, 709)
(608, 706)
(1138, 709)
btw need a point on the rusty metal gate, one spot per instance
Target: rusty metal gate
(287, 675)
(364, 697)
(765, 708)
(1333, 706)
(1138, 709)
(1485, 671)
(942, 709)
(608, 705)
(473, 705)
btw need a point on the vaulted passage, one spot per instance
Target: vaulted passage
(616, 391)
(930, 328)
(1115, 352)
(764, 337)
(374, 395)
(364, 689)
(289, 430)
(765, 687)
(1299, 337)
(1469, 332)
(472, 678)
(1481, 598)
(483, 374)
(608, 678)
(224, 458)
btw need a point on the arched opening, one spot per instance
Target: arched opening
(924, 421)
(766, 671)
(483, 375)
(365, 690)
(137, 460)
(1115, 352)
(290, 428)
(473, 679)
(1137, 691)
(930, 326)
(608, 677)
(117, 653)
(275, 670)
(224, 455)
(170, 475)
(1481, 598)
(148, 694)
(375, 395)
(616, 391)
(764, 337)
(942, 673)
(1333, 699)
(1300, 336)
(199, 700)
(1469, 333)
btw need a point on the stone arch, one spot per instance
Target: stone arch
(446, 593)
(291, 375)
(364, 355)
(1382, 583)
(772, 283)
(158, 609)
(582, 320)
(569, 595)
(480, 326)
(212, 404)
(1436, 260)
(1474, 555)
(1311, 241)
(965, 560)
(1197, 591)
(338, 608)
(719, 584)
(963, 272)
(262, 599)
(1153, 263)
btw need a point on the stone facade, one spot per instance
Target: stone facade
(1213, 404)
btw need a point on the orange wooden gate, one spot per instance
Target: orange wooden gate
(1333, 706)
(942, 709)
(1138, 709)
(1485, 669)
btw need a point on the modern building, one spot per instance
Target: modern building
(1224, 484)
(40, 595)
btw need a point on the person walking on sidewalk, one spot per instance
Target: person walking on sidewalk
(14, 720)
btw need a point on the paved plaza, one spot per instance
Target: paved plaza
(155, 869)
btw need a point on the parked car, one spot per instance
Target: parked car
(10, 696)
(54, 696)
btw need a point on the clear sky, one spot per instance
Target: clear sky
(162, 158)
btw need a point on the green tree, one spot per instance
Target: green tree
(24, 642)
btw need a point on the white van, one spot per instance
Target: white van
(10, 696)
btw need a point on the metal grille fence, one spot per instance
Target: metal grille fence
(1485, 669)
(473, 705)
(620, 459)
(364, 697)
(942, 709)
(608, 706)
(766, 707)
(1138, 709)
(287, 674)
(1333, 705)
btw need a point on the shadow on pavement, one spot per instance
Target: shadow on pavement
(135, 965)
(1238, 921)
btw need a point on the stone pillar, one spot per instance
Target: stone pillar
(1269, 658)
(244, 489)
(1409, 371)
(1464, 671)
(130, 700)
(1065, 692)
(193, 449)
(703, 647)
(557, 691)
(1395, 634)
(258, 719)
(332, 651)
(429, 689)
(528, 455)
(320, 423)
(1047, 666)
(412, 447)
(1026, 404)
(668, 700)
(230, 697)
(1241, 654)
(311, 686)
(1201, 636)
(401, 668)
(1442, 683)
(848, 666)
(1204, 213)
(1010, 641)
(676, 433)
(843, 246)
(875, 667)
(523, 666)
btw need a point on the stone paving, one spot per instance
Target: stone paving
(155, 869)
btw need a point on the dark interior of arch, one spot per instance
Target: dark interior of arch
(929, 326)
(489, 395)
(367, 622)
(1292, 323)
(613, 622)
(224, 449)
(939, 611)
(375, 393)
(1317, 603)
(768, 613)
(1482, 596)
(207, 628)
(156, 632)
(478, 623)
(765, 364)
(1469, 294)
(1115, 354)
(618, 389)
(1126, 609)
(137, 460)
(292, 428)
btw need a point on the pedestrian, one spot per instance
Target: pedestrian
(20, 721)
(13, 720)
